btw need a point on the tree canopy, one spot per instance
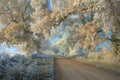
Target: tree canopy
(27, 23)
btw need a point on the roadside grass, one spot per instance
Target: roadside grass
(105, 61)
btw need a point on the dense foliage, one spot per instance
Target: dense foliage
(28, 23)
(19, 67)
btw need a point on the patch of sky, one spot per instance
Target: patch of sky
(81, 51)
(10, 49)
(102, 34)
(79, 23)
(1, 48)
(60, 53)
(1, 26)
(54, 39)
(74, 16)
(49, 6)
(107, 44)
(90, 17)
(110, 34)
(61, 28)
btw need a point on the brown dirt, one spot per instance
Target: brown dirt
(68, 69)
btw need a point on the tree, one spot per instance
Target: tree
(41, 16)
(93, 15)
(28, 22)
(15, 16)
(114, 12)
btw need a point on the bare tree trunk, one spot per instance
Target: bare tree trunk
(37, 46)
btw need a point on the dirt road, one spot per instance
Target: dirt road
(67, 69)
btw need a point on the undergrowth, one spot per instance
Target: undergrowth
(19, 67)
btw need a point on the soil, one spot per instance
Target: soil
(68, 69)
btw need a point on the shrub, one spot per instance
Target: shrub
(19, 67)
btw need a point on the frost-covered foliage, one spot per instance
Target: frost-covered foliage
(104, 56)
(28, 23)
(97, 19)
(19, 67)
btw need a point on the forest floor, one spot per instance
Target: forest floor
(69, 69)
